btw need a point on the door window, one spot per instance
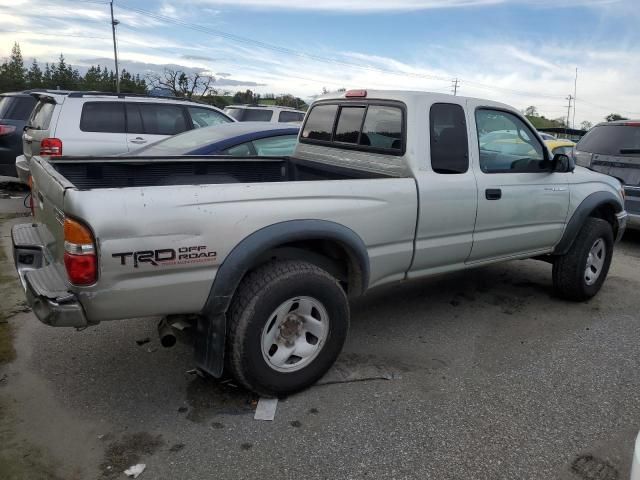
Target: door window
(507, 144)
(448, 133)
(206, 117)
(156, 119)
(104, 117)
(242, 150)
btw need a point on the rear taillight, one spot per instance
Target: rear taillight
(79, 253)
(6, 129)
(51, 147)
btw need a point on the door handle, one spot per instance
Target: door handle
(493, 193)
(138, 140)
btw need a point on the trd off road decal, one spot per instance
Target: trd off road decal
(168, 256)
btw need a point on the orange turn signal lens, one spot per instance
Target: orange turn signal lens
(76, 232)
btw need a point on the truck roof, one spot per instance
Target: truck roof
(407, 96)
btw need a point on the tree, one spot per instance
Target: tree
(586, 125)
(247, 97)
(34, 76)
(612, 117)
(12, 72)
(183, 84)
(531, 111)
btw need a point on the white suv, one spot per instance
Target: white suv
(91, 123)
(264, 113)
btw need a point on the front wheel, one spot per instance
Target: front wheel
(579, 274)
(288, 323)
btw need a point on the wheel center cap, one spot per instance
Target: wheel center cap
(290, 329)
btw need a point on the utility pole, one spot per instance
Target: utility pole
(570, 97)
(454, 85)
(115, 50)
(575, 92)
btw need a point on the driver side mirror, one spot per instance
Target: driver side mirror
(562, 163)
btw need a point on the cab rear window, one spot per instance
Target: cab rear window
(367, 127)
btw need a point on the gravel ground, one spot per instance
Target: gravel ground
(488, 377)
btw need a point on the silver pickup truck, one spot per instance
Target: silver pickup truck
(257, 257)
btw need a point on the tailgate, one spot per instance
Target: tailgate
(48, 191)
(623, 167)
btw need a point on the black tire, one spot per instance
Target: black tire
(569, 280)
(258, 296)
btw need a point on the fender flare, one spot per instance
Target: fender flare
(210, 335)
(588, 205)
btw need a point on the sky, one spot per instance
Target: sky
(520, 52)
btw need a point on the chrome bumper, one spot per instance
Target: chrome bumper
(45, 287)
(22, 168)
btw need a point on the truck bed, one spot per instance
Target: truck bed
(90, 172)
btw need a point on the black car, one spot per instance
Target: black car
(15, 109)
(614, 148)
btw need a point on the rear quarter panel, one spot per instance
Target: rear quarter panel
(215, 218)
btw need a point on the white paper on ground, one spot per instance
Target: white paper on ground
(266, 409)
(135, 470)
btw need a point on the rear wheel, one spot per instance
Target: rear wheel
(579, 274)
(288, 323)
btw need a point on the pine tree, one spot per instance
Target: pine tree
(34, 76)
(12, 72)
(47, 81)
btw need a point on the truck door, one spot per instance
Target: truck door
(447, 192)
(522, 204)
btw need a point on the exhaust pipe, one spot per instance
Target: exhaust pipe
(166, 333)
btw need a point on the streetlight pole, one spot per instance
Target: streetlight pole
(115, 50)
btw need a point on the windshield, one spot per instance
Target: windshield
(249, 114)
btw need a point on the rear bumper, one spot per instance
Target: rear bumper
(22, 168)
(45, 287)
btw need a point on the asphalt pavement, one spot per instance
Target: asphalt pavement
(475, 375)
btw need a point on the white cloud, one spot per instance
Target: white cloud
(393, 5)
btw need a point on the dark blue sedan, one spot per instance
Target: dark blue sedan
(238, 139)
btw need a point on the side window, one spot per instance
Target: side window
(349, 124)
(242, 150)
(105, 117)
(257, 115)
(382, 128)
(319, 124)
(507, 144)
(286, 117)
(160, 119)
(280, 146)
(448, 133)
(205, 117)
(41, 116)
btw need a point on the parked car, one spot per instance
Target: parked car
(264, 113)
(94, 123)
(238, 139)
(557, 145)
(613, 148)
(15, 109)
(257, 256)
